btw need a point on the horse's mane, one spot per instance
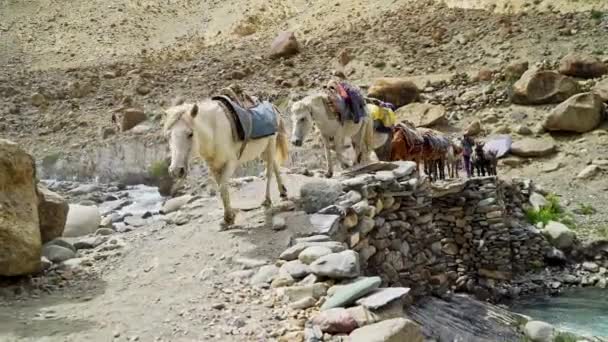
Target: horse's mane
(411, 135)
(174, 114)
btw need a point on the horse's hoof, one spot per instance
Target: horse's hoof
(329, 174)
(283, 192)
(229, 219)
(267, 203)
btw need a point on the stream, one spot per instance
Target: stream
(582, 311)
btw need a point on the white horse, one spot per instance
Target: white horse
(314, 109)
(208, 129)
(454, 158)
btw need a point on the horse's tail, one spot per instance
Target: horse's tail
(282, 142)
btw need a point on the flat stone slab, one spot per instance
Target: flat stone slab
(382, 297)
(324, 224)
(293, 252)
(350, 293)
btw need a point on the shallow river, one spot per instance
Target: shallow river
(582, 311)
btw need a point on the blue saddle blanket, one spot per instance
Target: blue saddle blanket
(253, 123)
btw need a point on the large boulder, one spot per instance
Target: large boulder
(543, 87)
(20, 242)
(319, 194)
(582, 66)
(422, 114)
(559, 235)
(530, 147)
(81, 220)
(392, 330)
(397, 91)
(52, 213)
(581, 113)
(284, 45)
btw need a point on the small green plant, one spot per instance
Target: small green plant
(597, 15)
(602, 232)
(553, 211)
(159, 169)
(586, 209)
(565, 337)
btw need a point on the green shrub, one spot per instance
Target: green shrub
(159, 169)
(565, 337)
(597, 15)
(586, 209)
(553, 211)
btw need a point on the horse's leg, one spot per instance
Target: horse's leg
(339, 147)
(330, 164)
(269, 171)
(222, 178)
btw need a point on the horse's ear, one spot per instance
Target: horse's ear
(194, 111)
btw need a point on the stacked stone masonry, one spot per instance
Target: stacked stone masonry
(434, 237)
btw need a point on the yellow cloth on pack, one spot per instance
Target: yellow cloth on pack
(385, 115)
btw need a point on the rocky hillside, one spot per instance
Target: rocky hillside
(65, 79)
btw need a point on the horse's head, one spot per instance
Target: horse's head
(301, 119)
(178, 129)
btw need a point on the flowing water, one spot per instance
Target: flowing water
(582, 311)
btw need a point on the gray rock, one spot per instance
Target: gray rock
(392, 330)
(385, 176)
(538, 331)
(84, 189)
(319, 194)
(383, 296)
(324, 224)
(74, 263)
(82, 220)
(104, 231)
(303, 304)
(57, 254)
(556, 256)
(265, 275)
(45, 263)
(591, 266)
(337, 265)
(311, 254)
(405, 168)
(61, 242)
(295, 268)
(296, 293)
(559, 235)
(250, 263)
(314, 238)
(294, 251)
(90, 242)
(538, 201)
(175, 204)
(278, 223)
(589, 172)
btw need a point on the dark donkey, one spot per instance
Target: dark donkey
(484, 161)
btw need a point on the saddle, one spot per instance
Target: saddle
(251, 118)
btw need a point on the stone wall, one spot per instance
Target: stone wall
(468, 234)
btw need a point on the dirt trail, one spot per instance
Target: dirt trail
(174, 283)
